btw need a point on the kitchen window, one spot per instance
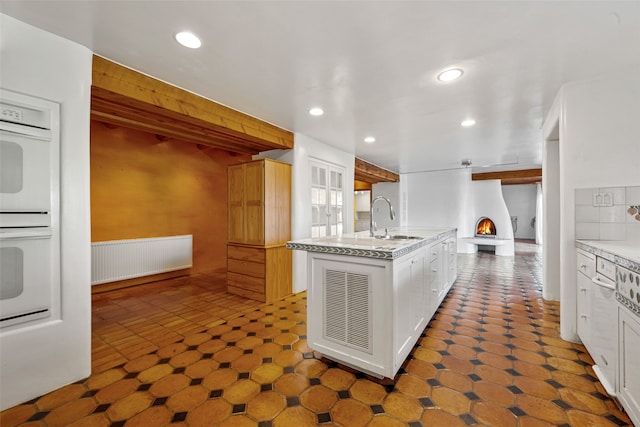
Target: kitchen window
(327, 198)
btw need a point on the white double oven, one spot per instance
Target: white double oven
(29, 209)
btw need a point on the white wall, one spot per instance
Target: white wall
(307, 149)
(598, 147)
(521, 203)
(390, 190)
(38, 359)
(438, 199)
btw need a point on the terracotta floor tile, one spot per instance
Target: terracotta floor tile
(169, 385)
(438, 417)
(494, 393)
(117, 390)
(220, 378)
(450, 400)
(209, 413)
(154, 416)
(371, 393)
(337, 379)
(404, 407)
(349, 412)
(187, 353)
(494, 415)
(541, 408)
(242, 391)
(320, 399)
(583, 401)
(60, 396)
(129, 406)
(454, 381)
(295, 416)
(291, 384)
(386, 421)
(536, 387)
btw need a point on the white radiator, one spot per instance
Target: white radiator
(125, 259)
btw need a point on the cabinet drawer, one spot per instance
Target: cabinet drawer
(246, 254)
(253, 284)
(586, 263)
(245, 267)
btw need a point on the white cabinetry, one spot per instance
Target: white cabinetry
(629, 363)
(597, 323)
(586, 264)
(411, 298)
(368, 313)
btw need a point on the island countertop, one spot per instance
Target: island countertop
(363, 245)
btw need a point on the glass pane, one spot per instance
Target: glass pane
(340, 228)
(314, 176)
(315, 215)
(322, 215)
(338, 180)
(322, 177)
(315, 231)
(334, 216)
(334, 197)
(334, 230)
(11, 272)
(338, 214)
(339, 199)
(322, 196)
(323, 231)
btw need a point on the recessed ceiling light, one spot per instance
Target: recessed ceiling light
(316, 111)
(450, 74)
(468, 122)
(187, 39)
(369, 139)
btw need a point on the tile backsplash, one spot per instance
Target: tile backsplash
(611, 213)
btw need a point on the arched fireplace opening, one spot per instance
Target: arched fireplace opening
(485, 227)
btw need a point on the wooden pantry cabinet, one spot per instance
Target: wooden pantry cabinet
(259, 225)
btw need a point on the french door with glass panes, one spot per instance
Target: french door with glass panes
(327, 195)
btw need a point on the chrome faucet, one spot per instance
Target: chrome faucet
(372, 224)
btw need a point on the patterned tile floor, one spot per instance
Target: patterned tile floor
(184, 352)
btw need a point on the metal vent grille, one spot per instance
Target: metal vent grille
(347, 309)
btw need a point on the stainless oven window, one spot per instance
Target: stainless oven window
(11, 161)
(11, 273)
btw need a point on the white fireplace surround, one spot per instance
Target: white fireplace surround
(487, 201)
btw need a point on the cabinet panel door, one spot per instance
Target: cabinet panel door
(235, 197)
(584, 310)
(403, 318)
(254, 203)
(629, 384)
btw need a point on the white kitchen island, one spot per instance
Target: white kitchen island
(369, 299)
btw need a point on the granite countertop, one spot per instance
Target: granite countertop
(361, 244)
(619, 250)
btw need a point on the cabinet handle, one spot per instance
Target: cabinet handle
(584, 316)
(604, 360)
(583, 266)
(583, 289)
(435, 270)
(603, 284)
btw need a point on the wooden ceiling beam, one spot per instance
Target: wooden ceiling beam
(373, 174)
(121, 96)
(523, 176)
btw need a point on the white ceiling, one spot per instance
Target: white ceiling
(371, 65)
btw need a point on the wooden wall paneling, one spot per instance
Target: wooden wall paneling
(143, 187)
(277, 192)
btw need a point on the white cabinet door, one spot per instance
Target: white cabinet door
(410, 307)
(436, 277)
(629, 363)
(584, 309)
(327, 199)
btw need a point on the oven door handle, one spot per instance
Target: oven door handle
(27, 233)
(603, 284)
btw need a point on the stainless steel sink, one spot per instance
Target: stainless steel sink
(398, 237)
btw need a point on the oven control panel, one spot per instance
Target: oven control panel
(628, 284)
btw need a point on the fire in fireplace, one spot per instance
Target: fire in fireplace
(485, 228)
